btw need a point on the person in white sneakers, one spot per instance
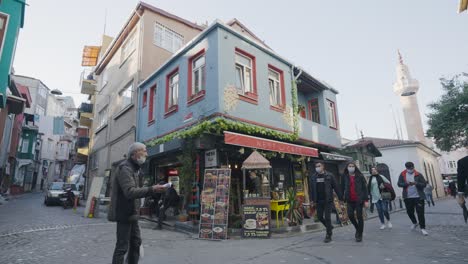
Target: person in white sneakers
(375, 188)
(413, 184)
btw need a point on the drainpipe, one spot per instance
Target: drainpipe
(140, 66)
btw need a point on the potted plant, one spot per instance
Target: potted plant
(294, 215)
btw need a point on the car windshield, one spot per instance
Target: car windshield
(72, 186)
(56, 186)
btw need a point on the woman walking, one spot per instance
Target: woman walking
(375, 188)
(356, 196)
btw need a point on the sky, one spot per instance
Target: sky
(352, 45)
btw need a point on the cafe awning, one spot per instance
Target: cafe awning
(256, 161)
(268, 144)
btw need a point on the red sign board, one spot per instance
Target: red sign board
(267, 144)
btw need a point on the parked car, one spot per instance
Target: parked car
(55, 190)
(53, 193)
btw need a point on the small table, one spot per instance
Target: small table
(279, 206)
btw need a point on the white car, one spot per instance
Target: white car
(54, 191)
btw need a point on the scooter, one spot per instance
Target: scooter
(67, 198)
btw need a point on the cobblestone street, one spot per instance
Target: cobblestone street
(30, 232)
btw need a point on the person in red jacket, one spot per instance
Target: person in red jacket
(356, 196)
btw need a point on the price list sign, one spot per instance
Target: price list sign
(256, 221)
(215, 204)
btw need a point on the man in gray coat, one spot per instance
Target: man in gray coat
(125, 204)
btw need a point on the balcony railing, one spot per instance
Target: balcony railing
(88, 82)
(86, 108)
(82, 142)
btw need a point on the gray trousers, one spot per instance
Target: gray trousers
(128, 239)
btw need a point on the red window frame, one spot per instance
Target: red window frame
(195, 98)
(3, 32)
(151, 115)
(173, 109)
(314, 100)
(334, 112)
(145, 98)
(248, 96)
(282, 107)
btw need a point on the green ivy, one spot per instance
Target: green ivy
(217, 126)
(295, 108)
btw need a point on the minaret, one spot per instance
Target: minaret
(406, 88)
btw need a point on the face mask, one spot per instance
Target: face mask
(318, 170)
(351, 169)
(141, 160)
(410, 171)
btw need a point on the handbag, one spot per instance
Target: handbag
(386, 195)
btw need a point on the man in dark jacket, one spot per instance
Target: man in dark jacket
(125, 204)
(322, 183)
(462, 179)
(413, 184)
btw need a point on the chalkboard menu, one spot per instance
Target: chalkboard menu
(256, 221)
(215, 204)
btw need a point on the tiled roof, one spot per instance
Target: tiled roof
(385, 142)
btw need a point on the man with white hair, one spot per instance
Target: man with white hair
(125, 203)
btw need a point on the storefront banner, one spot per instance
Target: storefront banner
(256, 221)
(267, 144)
(215, 204)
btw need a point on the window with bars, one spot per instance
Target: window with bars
(167, 38)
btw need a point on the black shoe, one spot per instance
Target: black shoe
(327, 239)
(359, 238)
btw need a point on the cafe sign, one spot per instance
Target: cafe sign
(267, 144)
(211, 158)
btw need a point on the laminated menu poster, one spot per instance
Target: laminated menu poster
(215, 204)
(256, 221)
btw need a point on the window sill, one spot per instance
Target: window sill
(99, 129)
(249, 98)
(123, 111)
(171, 111)
(277, 108)
(151, 122)
(196, 98)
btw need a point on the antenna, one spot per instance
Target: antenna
(396, 124)
(399, 122)
(105, 21)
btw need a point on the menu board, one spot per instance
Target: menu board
(215, 204)
(256, 221)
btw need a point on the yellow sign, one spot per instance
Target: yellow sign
(90, 55)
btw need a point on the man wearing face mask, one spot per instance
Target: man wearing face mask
(125, 204)
(413, 184)
(322, 183)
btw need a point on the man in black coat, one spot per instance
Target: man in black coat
(462, 179)
(125, 204)
(322, 183)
